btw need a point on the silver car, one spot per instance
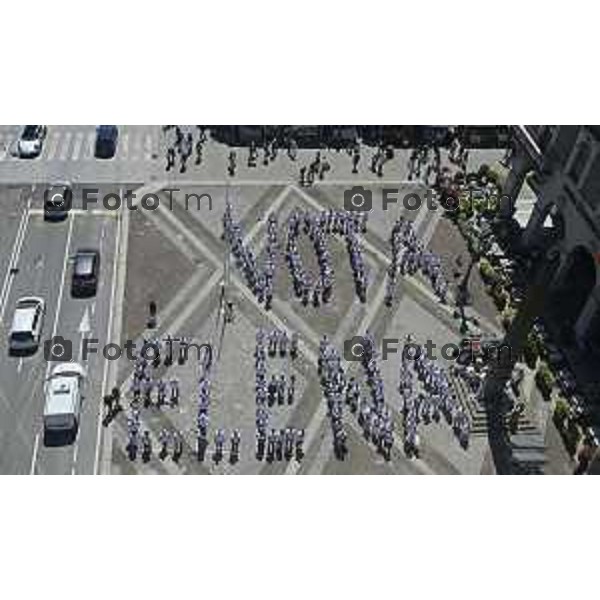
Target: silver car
(31, 140)
(27, 325)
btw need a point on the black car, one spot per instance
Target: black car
(58, 200)
(106, 141)
(86, 270)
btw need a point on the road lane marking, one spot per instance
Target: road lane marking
(64, 151)
(16, 251)
(138, 150)
(124, 147)
(90, 143)
(118, 250)
(85, 328)
(36, 445)
(49, 363)
(62, 283)
(77, 145)
(148, 147)
(75, 452)
(97, 212)
(52, 146)
(20, 365)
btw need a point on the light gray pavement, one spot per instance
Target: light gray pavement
(192, 310)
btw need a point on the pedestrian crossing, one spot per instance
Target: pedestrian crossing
(76, 146)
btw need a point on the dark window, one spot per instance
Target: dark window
(30, 133)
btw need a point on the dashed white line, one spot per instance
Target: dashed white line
(117, 252)
(17, 246)
(75, 452)
(62, 282)
(36, 445)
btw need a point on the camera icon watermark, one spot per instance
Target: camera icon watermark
(357, 349)
(358, 199)
(57, 349)
(58, 199)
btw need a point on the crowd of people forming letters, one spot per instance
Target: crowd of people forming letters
(424, 389)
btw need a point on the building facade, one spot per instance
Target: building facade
(562, 165)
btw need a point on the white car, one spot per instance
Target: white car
(31, 140)
(63, 398)
(27, 325)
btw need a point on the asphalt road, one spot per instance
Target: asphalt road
(42, 251)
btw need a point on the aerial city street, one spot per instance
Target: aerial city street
(299, 299)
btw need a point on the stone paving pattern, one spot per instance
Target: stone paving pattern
(187, 259)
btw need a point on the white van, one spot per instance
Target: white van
(63, 398)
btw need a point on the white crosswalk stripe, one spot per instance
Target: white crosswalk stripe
(123, 147)
(51, 146)
(148, 147)
(89, 146)
(138, 151)
(78, 144)
(65, 146)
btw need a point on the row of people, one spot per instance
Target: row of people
(259, 282)
(409, 256)
(374, 415)
(426, 394)
(275, 445)
(280, 444)
(280, 343)
(319, 227)
(333, 382)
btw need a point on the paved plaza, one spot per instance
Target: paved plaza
(188, 268)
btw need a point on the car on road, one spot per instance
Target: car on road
(58, 200)
(30, 143)
(62, 407)
(106, 141)
(27, 325)
(86, 269)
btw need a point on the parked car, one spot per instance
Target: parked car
(27, 325)
(86, 270)
(31, 140)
